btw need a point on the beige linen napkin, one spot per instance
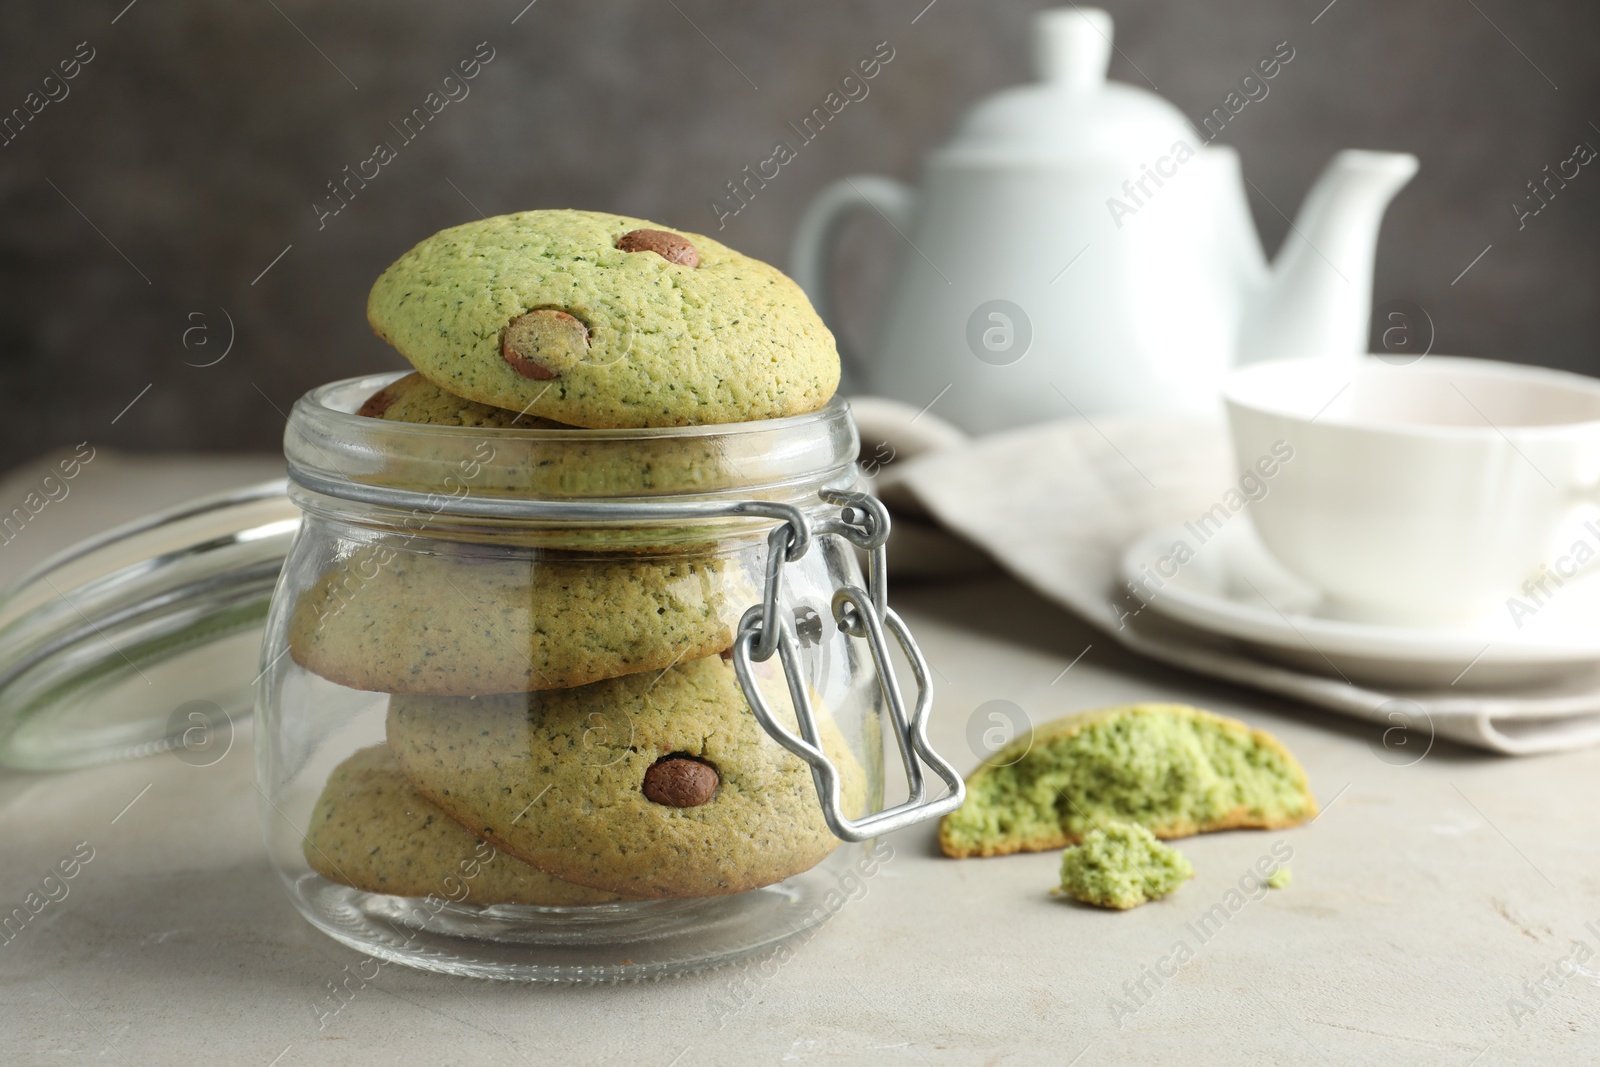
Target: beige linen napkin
(1057, 503)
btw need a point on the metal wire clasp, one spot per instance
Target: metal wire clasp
(862, 613)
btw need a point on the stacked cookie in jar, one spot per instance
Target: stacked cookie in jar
(560, 680)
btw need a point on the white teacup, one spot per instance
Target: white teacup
(1430, 492)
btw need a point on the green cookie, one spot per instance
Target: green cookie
(1170, 768)
(572, 780)
(470, 620)
(546, 465)
(371, 830)
(415, 399)
(541, 312)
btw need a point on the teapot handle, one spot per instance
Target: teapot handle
(819, 228)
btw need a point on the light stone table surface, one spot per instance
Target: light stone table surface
(1428, 902)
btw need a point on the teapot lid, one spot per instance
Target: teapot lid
(1071, 112)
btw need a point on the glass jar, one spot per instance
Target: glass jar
(575, 704)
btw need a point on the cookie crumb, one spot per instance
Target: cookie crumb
(1121, 865)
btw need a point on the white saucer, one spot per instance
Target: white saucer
(1232, 586)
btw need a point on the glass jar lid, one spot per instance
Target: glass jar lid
(144, 638)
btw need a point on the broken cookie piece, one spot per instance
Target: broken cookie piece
(1121, 865)
(1173, 769)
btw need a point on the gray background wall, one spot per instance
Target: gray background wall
(194, 144)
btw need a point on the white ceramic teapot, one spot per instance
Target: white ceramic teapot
(1078, 247)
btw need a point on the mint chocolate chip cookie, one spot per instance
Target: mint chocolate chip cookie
(557, 465)
(473, 619)
(660, 784)
(604, 321)
(372, 831)
(415, 399)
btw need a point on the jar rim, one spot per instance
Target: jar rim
(334, 452)
(337, 402)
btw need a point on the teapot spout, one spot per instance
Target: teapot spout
(1318, 298)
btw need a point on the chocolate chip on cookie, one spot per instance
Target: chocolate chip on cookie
(680, 781)
(534, 341)
(669, 246)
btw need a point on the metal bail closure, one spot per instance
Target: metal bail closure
(864, 522)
